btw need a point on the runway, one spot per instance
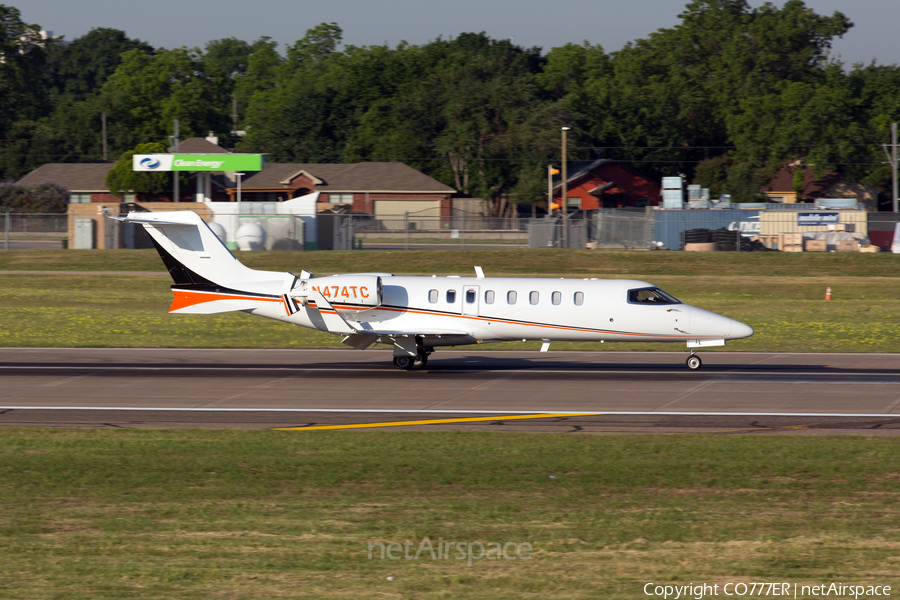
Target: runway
(583, 392)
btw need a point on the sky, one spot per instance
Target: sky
(544, 23)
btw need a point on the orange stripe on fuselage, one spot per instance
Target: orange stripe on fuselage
(539, 325)
(186, 298)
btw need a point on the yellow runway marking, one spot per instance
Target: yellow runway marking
(435, 421)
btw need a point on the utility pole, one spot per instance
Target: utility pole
(234, 115)
(103, 117)
(175, 151)
(564, 200)
(892, 160)
(550, 173)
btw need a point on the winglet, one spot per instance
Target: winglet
(479, 273)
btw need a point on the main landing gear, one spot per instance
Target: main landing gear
(407, 363)
(693, 362)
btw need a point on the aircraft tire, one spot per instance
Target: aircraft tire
(694, 363)
(421, 359)
(404, 362)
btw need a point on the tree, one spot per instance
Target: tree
(23, 74)
(122, 178)
(680, 96)
(82, 67)
(146, 93)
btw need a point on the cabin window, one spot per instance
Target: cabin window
(651, 295)
(489, 297)
(579, 298)
(511, 297)
(432, 296)
(556, 297)
(470, 296)
(534, 297)
(451, 296)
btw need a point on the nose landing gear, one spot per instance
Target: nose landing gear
(693, 362)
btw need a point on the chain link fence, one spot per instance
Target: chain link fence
(719, 229)
(33, 230)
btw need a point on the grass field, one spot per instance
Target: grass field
(240, 514)
(569, 263)
(788, 314)
(270, 514)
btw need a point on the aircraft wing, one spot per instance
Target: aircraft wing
(364, 336)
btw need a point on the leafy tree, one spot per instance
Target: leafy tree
(457, 120)
(23, 73)
(83, 66)
(146, 94)
(122, 178)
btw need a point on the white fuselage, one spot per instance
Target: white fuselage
(494, 309)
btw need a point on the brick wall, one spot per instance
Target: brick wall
(360, 205)
(95, 211)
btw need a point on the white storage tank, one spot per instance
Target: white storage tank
(251, 236)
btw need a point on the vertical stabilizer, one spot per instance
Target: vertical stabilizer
(194, 254)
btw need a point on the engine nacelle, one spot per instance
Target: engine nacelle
(339, 290)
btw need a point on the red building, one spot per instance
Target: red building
(606, 184)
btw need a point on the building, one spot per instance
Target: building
(831, 185)
(606, 184)
(86, 182)
(376, 188)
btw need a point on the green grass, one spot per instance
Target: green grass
(242, 514)
(788, 314)
(573, 263)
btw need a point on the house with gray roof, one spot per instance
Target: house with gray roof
(377, 188)
(86, 182)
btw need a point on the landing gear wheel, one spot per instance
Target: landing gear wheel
(694, 363)
(404, 362)
(421, 359)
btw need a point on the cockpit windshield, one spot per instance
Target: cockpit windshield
(651, 295)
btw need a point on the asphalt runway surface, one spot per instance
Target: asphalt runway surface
(572, 392)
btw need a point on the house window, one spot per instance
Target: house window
(451, 296)
(432, 296)
(511, 297)
(79, 198)
(534, 297)
(573, 202)
(130, 198)
(556, 298)
(340, 198)
(489, 297)
(579, 298)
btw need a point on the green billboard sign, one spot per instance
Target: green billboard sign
(197, 162)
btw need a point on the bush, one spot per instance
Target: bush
(43, 198)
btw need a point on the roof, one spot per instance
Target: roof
(75, 177)
(197, 145)
(813, 187)
(384, 177)
(577, 170)
(580, 169)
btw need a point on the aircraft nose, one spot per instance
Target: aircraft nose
(740, 330)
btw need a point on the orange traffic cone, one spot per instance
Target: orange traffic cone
(828, 293)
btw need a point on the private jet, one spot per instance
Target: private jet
(415, 315)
